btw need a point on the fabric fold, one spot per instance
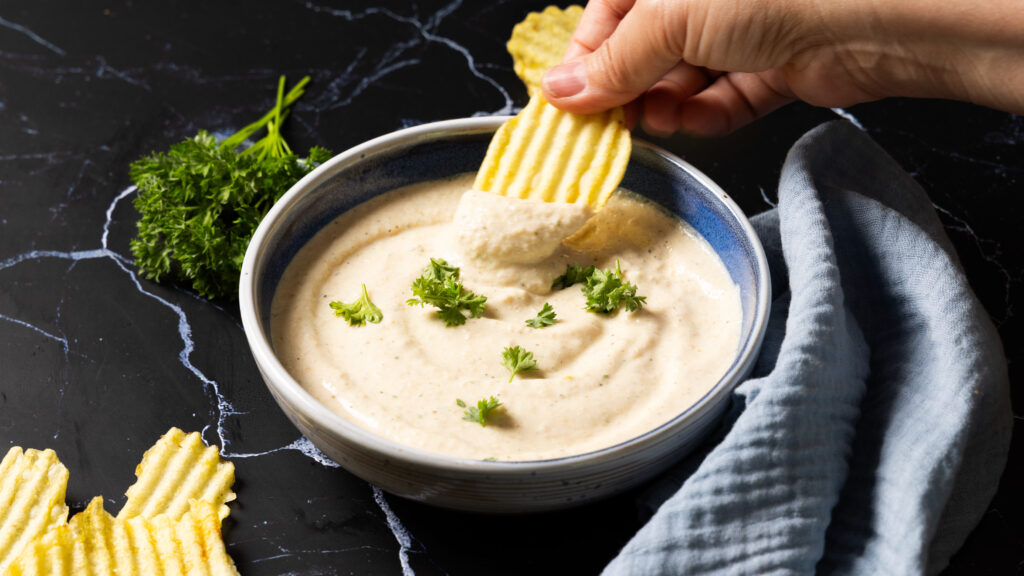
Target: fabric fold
(873, 432)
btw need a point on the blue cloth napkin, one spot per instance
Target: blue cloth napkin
(874, 429)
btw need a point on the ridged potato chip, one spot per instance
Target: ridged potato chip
(32, 488)
(176, 470)
(547, 154)
(96, 543)
(538, 42)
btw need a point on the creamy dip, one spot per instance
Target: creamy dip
(602, 378)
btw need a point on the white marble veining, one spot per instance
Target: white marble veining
(392, 58)
(221, 405)
(33, 36)
(844, 113)
(401, 534)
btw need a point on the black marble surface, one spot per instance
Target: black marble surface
(97, 363)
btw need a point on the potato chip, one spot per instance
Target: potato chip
(176, 470)
(615, 229)
(195, 539)
(96, 543)
(32, 488)
(547, 154)
(539, 41)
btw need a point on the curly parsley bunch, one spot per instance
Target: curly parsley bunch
(200, 202)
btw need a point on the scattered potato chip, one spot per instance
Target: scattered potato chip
(551, 155)
(539, 41)
(195, 539)
(96, 543)
(32, 488)
(176, 470)
(48, 554)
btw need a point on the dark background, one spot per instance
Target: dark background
(97, 363)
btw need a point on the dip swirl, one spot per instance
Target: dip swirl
(602, 378)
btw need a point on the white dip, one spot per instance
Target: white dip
(602, 378)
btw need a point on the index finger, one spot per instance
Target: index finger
(600, 18)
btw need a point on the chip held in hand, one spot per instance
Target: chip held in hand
(544, 153)
(547, 154)
(540, 41)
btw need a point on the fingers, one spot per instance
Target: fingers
(617, 57)
(631, 59)
(633, 112)
(599, 20)
(661, 104)
(733, 100)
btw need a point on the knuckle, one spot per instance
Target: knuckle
(670, 25)
(614, 70)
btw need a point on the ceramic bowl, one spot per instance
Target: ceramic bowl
(447, 148)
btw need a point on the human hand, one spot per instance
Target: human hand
(710, 66)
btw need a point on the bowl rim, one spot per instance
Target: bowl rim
(284, 385)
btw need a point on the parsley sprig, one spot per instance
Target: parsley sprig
(546, 317)
(200, 202)
(517, 360)
(481, 411)
(574, 274)
(359, 312)
(605, 290)
(439, 286)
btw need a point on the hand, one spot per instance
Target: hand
(710, 66)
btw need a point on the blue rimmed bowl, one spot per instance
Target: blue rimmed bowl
(443, 149)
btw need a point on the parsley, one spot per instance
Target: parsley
(546, 317)
(481, 411)
(359, 312)
(439, 286)
(606, 291)
(200, 202)
(517, 360)
(574, 274)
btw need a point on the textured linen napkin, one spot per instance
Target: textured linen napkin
(874, 429)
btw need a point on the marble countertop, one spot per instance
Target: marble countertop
(97, 363)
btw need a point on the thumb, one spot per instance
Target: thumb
(622, 67)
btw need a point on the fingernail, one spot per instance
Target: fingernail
(565, 80)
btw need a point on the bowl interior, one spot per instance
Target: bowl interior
(356, 180)
(449, 148)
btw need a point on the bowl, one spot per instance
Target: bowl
(446, 148)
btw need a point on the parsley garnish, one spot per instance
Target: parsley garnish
(606, 291)
(359, 312)
(439, 286)
(481, 411)
(517, 360)
(200, 202)
(546, 317)
(574, 274)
